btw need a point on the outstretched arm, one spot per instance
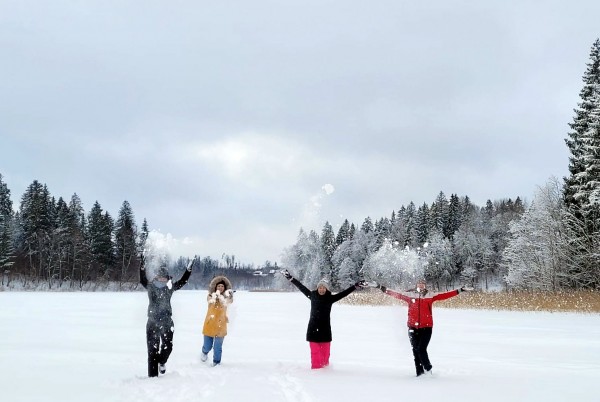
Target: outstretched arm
(143, 278)
(452, 293)
(341, 295)
(300, 286)
(394, 294)
(186, 275)
(397, 295)
(295, 282)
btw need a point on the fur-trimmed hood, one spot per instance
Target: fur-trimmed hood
(212, 286)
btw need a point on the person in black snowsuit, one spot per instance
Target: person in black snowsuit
(160, 327)
(318, 333)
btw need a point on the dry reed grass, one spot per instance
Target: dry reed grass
(574, 301)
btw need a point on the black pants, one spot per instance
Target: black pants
(419, 339)
(159, 339)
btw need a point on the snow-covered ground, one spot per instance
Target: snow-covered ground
(91, 347)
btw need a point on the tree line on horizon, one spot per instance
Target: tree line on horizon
(49, 243)
(551, 244)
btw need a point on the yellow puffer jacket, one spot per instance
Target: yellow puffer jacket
(215, 323)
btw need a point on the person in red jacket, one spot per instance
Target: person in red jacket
(420, 319)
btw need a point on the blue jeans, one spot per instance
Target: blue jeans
(218, 344)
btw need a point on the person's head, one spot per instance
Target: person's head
(421, 285)
(323, 286)
(162, 275)
(220, 287)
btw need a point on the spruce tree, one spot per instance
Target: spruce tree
(100, 237)
(581, 189)
(79, 253)
(36, 214)
(328, 247)
(125, 243)
(343, 234)
(454, 216)
(422, 224)
(6, 217)
(576, 140)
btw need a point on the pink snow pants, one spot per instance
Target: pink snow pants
(319, 354)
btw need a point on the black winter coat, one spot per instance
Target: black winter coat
(319, 324)
(159, 296)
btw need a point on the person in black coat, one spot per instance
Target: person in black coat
(160, 327)
(318, 333)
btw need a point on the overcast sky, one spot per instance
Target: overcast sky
(228, 125)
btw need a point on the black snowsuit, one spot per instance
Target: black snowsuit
(319, 324)
(160, 327)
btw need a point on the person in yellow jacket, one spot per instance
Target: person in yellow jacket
(220, 295)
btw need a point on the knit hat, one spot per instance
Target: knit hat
(163, 272)
(323, 282)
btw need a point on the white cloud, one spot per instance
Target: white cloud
(253, 158)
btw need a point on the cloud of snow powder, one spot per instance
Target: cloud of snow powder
(159, 251)
(312, 210)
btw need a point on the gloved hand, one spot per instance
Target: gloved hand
(191, 264)
(382, 288)
(466, 289)
(213, 298)
(361, 284)
(228, 293)
(286, 274)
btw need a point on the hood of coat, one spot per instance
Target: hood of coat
(212, 287)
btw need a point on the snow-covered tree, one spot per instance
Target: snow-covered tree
(422, 224)
(580, 126)
(395, 266)
(328, 247)
(6, 219)
(582, 186)
(303, 259)
(535, 257)
(440, 266)
(343, 233)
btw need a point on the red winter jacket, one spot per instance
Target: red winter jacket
(420, 306)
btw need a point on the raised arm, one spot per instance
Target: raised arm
(295, 282)
(186, 275)
(342, 294)
(300, 286)
(143, 278)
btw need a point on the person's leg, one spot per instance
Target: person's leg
(413, 336)
(325, 351)
(424, 338)
(218, 349)
(208, 344)
(166, 337)
(152, 342)
(315, 356)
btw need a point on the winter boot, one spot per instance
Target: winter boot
(162, 368)
(203, 357)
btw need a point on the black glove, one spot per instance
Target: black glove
(382, 288)
(361, 284)
(466, 289)
(286, 274)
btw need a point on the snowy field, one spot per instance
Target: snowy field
(91, 347)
